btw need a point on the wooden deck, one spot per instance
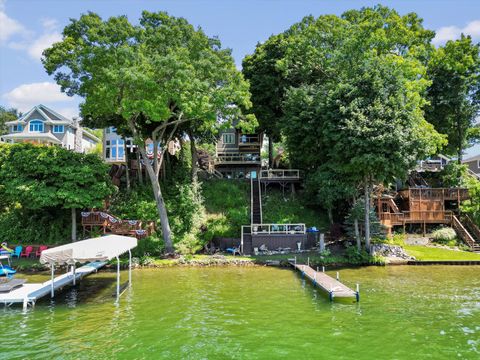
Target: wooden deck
(333, 287)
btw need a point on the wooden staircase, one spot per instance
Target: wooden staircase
(256, 202)
(465, 235)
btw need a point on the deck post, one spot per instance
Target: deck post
(118, 278)
(129, 268)
(52, 289)
(74, 274)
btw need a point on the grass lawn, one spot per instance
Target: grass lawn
(432, 253)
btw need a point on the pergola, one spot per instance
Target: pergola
(100, 249)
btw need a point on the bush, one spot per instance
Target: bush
(150, 246)
(444, 235)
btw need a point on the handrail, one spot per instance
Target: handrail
(278, 228)
(237, 157)
(472, 226)
(464, 234)
(280, 174)
(435, 193)
(249, 139)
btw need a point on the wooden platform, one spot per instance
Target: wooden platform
(28, 294)
(333, 287)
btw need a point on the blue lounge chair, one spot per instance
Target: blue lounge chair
(17, 252)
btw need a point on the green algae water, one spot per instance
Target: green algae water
(405, 312)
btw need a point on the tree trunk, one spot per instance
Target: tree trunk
(357, 235)
(140, 170)
(193, 150)
(162, 210)
(367, 215)
(127, 168)
(270, 152)
(330, 215)
(74, 225)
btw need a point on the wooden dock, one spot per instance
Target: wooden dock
(333, 287)
(28, 294)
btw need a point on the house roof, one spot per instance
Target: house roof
(50, 116)
(472, 158)
(33, 136)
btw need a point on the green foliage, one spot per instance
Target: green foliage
(350, 90)
(292, 209)
(454, 94)
(444, 235)
(40, 177)
(46, 226)
(453, 174)
(151, 246)
(357, 212)
(227, 203)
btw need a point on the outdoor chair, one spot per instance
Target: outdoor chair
(40, 249)
(27, 252)
(234, 250)
(17, 252)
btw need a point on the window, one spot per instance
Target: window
(36, 126)
(120, 152)
(58, 129)
(229, 138)
(107, 153)
(17, 128)
(114, 152)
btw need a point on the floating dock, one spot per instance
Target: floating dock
(28, 294)
(333, 287)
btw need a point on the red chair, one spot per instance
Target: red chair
(40, 249)
(27, 252)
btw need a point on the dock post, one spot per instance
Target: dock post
(323, 268)
(308, 261)
(330, 295)
(322, 243)
(118, 279)
(129, 268)
(295, 261)
(74, 274)
(52, 289)
(357, 294)
(303, 271)
(315, 279)
(317, 268)
(338, 276)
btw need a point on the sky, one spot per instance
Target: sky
(29, 26)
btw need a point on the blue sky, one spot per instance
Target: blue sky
(28, 26)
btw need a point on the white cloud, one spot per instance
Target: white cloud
(36, 48)
(453, 32)
(49, 24)
(25, 96)
(69, 112)
(9, 27)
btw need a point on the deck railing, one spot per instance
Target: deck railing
(245, 140)
(435, 194)
(280, 174)
(416, 216)
(237, 158)
(278, 228)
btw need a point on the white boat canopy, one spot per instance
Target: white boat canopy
(102, 248)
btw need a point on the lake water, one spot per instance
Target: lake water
(405, 312)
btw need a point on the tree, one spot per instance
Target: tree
(148, 79)
(454, 95)
(7, 114)
(41, 177)
(357, 105)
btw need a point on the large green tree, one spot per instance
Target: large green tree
(148, 80)
(353, 108)
(454, 95)
(43, 177)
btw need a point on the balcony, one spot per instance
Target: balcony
(248, 140)
(237, 158)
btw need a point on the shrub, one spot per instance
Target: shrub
(444, 235)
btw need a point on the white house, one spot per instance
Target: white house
(42, 125)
